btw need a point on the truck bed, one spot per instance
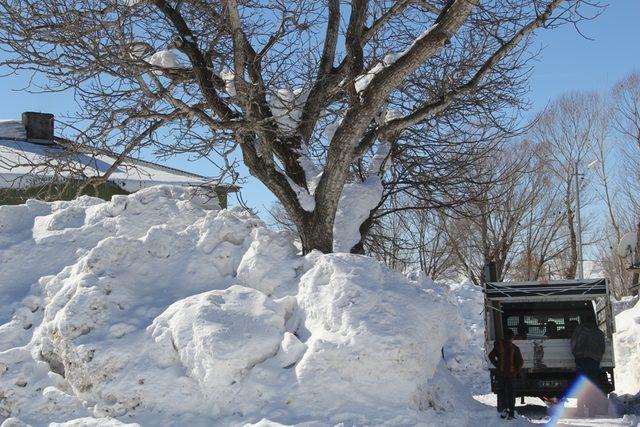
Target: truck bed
(554, 353)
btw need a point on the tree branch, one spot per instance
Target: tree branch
(436, 107)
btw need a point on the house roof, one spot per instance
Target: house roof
(26, 163)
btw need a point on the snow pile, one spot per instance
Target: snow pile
(355, 310)
(627, 350)
(624, 303)
(627, 355)
(160, 309)
(467, 359)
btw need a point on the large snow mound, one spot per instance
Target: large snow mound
(627, 350)
(369, 329)
(466, 357)
(159, 308)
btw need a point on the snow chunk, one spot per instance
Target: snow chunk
(307, 201)
(363, 80)
(392, 115)
(271, 264)
(379, 159)
(312, 173)
(286, 106)
(355, 204)
(357, 201)
(291, 350)
(229, 78)
(331, 129)
(164, 59)
(221, 335)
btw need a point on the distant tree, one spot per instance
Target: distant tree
(570, 126)
(411, 239)
(626, 107)
(621, 180)
(312, 94)
(499, 226)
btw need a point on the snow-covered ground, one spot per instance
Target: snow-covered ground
(159, 308)
(534, 412)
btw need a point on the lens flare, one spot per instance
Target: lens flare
(589, 400)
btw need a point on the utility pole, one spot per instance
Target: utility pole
(580, 272)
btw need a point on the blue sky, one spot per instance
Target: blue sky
(568, 62)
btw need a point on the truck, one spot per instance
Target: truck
(542, 316)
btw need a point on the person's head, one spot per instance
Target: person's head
(552, 327)
(589, 320)
(523, 329)
(508, 334)
(571, 325)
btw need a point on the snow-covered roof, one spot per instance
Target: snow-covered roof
(12, 129)
(24, 164)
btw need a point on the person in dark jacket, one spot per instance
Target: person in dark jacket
(570, 328)
(551, 330)
(587, 346)
(507, 359)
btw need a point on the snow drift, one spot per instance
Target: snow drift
(627, 350)
(159, 308)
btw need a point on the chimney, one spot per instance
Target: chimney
(39, 126)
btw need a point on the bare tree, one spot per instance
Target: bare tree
(626, 95)
(626, 104)
(493, 226)
(608, 153)
(389, 241)
(623, 204)
(409, 239)
(434, 253)
(570, 128)
(306, 91)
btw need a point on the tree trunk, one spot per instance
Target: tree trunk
(316, 235)
(364, 229)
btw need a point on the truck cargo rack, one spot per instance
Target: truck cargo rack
(585, 289)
